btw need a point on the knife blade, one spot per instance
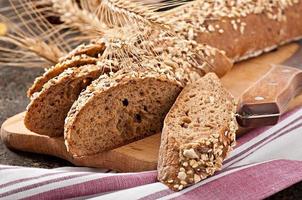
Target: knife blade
(265, 101)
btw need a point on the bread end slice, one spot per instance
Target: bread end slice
(198, 133)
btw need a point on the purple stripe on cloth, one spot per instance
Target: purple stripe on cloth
(255, 132)
(256, 182)
(268, 141)
(28, 179)
(166, 192)
(157, 195)
(97, 186)
(35, 185)
(264, 141)
(251, 135)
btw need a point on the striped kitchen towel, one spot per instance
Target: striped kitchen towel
(264, 162)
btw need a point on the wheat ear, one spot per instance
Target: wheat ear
(80, 16)
(123, 12)
(30, 39)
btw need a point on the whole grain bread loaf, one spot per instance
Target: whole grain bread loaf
(119, 108)
(242, 29)
(198, 133)
(189, 59)
(48, 108)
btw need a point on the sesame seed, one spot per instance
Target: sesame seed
(182, 175)
(183, 182)
(170, 181)
(201, 13)
(180, 187)
(195, 165)
(196, 178)
(190, 153)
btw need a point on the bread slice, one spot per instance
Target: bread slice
(118, 109)
(54, 71)
(47, 111)
(198, 133)
(94, 49)
(81, 55)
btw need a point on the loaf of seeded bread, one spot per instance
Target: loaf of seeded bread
(48, 108)
(191, 60)
(198, 133)
(119, 108)
(242, 29)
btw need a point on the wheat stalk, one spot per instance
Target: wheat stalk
(34, 38)
(123, 12)
(20, 48)
(132, 28)
(82, 18)
(30, 39)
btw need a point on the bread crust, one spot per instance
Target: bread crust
(195, 141)
(94, 49)
(241, 29)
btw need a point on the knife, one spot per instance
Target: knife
(265, 101)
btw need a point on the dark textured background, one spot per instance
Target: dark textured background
(13, 85)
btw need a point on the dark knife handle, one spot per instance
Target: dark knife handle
(263, 103)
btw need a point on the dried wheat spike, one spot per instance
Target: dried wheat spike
(123, 12)
(95, 17)
(30, 39)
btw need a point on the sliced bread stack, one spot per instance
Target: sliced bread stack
(48, 108)
(129, 111)
(82, 55)
(53, 93)
(50, 104)
(198, 133)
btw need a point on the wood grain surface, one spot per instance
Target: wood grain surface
(142, 155)
(264, 102)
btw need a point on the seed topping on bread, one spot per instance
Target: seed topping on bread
(203, 15)
(199, 132)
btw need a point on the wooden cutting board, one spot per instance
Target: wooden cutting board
(142, 155)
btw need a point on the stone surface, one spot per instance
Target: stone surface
(14, 82)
